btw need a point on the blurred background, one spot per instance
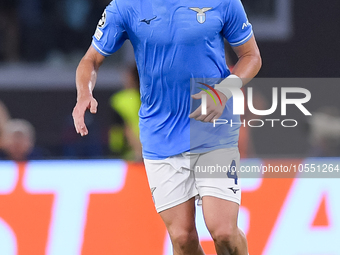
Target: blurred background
(69, 206)
(41, 43)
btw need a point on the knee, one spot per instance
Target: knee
(226, 237)
(185, 240)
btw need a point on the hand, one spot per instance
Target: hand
(214, 111)
(79, 111)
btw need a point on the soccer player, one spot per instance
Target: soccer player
(174, 43)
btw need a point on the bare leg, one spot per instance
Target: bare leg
(180, 222)
(221, 219)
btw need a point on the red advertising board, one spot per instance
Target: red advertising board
(105, 207)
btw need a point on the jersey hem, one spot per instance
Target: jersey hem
(192, 151)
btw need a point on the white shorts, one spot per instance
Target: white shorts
(176, 179)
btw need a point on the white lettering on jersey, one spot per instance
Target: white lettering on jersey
(245, 24)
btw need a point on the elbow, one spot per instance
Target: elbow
(92, 58)
(88, 63)
(257, 60)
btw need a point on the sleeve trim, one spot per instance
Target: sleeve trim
(242, 41)
(99, 50)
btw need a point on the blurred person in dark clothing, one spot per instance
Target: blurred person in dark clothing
(9, 30)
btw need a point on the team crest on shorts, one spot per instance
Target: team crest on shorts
(201, 17)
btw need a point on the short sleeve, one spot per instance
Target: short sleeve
(237, 29)
(110, 33)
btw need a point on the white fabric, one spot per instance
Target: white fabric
(231, 81)
(176, 179)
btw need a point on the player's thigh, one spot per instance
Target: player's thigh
(220, 216)
(180, 219)
(220, 190)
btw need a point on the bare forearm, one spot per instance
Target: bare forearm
(247, 67)
(86, 77)
(87, 70)
(249, 60)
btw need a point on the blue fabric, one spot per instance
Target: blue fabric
(172, 44)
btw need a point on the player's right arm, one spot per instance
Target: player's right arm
(86, 77)
(108, 38)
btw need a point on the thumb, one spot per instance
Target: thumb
(198, 95)
(94, 104)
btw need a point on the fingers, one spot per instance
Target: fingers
(213, 110)
(94, 105)
(212, 113)
(83, 130)
(78, 119)
(79, 113)
(207, 118)
(198, 95)
(196, 113)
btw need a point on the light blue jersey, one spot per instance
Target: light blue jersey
(175, 41)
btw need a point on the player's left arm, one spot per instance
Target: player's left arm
(249, 60)
(246, 68)
(248, 65)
